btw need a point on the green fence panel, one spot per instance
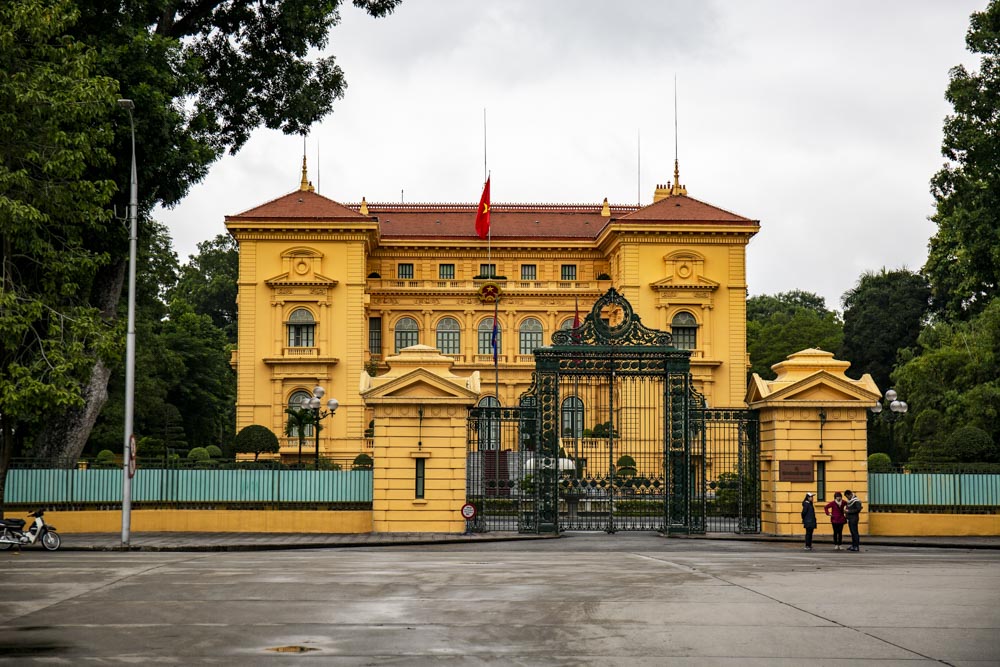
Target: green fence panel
(152, 485)
(934, 489)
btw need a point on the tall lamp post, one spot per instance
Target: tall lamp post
(128, 465)
(313, 403)
(897, 408)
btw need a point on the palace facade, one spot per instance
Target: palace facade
(331, 291)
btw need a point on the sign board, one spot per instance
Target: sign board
(131, 456)
(795, 471)
(469, 511)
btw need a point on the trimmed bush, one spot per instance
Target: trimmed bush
(199, 454)
(214, 452)
(362, 462)
(256, 440)
(879, 462)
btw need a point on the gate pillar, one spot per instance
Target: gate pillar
(812, 437)
(421, 417)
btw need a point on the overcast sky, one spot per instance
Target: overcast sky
(821, 120)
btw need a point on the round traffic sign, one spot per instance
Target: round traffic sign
(469, 511)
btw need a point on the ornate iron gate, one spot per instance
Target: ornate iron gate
(611, 436)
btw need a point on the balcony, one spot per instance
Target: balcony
(395, 285)
(300, 351)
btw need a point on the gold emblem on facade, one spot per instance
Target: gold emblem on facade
(489, 292)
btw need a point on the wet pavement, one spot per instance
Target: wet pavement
(584, 598)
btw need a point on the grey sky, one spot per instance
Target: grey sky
(822, 120)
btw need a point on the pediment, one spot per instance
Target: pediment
(822, 387)
(693, 283)
(289, 279)
(419, 384)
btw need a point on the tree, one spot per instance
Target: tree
(203, 75)
(954, 381)
(299, 421)
(54, 134)
(780, 325)
(963, 262)
(256, 440)
(883, 313)
(208, 282)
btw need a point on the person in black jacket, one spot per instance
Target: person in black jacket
(809, 519)
(853, 512)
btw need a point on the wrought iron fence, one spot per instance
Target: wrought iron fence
(935, 489)
(334, 484)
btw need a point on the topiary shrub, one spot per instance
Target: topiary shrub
(256, 440)
(626, 466)
(971, 444)
(199, 454)
(105, 459)
(362, 462)
(879, 462)
(214, 452)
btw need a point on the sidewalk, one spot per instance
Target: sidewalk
(172, 541)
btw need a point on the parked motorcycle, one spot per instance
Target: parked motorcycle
(12, 532)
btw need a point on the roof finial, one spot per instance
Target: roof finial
(364, 207)
(305, 185)
(664, 191)
(606, 209)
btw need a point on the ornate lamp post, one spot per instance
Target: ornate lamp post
(313, 403)
(897, 408)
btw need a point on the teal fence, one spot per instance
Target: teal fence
(934, 492)
(73, 487)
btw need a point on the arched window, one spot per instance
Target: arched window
(301, 328)
(407, 333)
(572, 417)
(489, 423)
(486, 337)
(568, 324)
(684, 329)
(449, 336)
(295, 429)
(529, 336)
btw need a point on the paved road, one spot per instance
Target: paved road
(635, 599)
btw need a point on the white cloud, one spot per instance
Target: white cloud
(821, 120)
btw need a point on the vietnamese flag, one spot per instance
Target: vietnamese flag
(483, 214)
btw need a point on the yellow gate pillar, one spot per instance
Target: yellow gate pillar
(421, 416)
(813, 437)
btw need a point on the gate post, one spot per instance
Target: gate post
(813, 437)
(421, 414)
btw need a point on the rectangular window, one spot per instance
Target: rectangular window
(448, 341)
(529, 272)
(375, 335)
(301, 335)
(446, 271)
(404, 271)
(820, 480)
(487, 270)
(421, 477)
(568, 272)
(529, 341)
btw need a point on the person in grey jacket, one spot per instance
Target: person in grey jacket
(853, 512)
(809, 519)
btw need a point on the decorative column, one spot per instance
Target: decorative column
(421, 417)
(812, 438)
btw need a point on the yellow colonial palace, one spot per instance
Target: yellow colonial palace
(330, 291)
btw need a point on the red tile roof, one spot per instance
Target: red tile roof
(507, 221)
(298, 205)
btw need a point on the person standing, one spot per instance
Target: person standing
(809, 519)
(835, 510)
(853, 512)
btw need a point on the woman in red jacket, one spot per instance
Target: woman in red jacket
(835, 510)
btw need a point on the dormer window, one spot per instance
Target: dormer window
(301, 328)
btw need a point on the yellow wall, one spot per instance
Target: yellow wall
(953, 525)
(213, 521)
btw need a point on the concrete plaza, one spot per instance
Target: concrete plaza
(636, 599)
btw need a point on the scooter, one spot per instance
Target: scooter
(12, 533)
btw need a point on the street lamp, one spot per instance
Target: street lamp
(313, 403)
(127, 465)
(897, 408)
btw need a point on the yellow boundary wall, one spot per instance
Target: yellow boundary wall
(927, 525)
(214, 521)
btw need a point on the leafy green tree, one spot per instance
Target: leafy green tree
(883, 313)
(299, 421)
(256, 440)
(53, 142)
(208, 282)
(963, 262)
(203, 75)
(780, 325)
(954, 381)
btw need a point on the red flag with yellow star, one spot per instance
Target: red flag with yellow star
(483, 214)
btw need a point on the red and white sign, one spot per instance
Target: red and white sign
(469, 511)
